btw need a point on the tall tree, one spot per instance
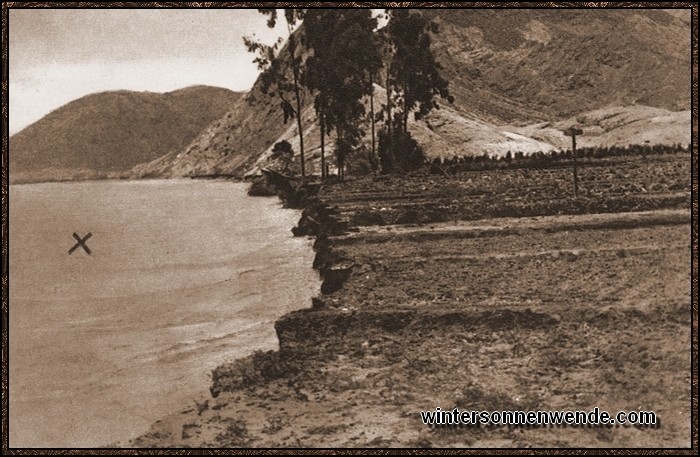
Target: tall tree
(413, 77)
(318, 39)
(374, 73)
(275, 76)
(344, 54)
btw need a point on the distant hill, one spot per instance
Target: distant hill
(518, 76)
(106, 134)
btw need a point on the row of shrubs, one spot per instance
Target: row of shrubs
(548, 159)
(363, 162)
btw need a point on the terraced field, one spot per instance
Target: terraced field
(486, 291)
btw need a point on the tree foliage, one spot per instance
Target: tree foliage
(283, 156)
(336, 58)
(275, 78)
(413, 83)
(343, 56)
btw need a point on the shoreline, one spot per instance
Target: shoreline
(415, 312)
(175, 280)
(131, 179)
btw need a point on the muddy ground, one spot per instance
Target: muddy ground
(571, 305)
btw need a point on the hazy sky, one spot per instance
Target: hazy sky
(59, 55)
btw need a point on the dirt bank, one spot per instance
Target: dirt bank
(431, 298)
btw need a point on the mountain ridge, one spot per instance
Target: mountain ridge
(107, 133)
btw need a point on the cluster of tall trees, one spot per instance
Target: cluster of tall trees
(337, 56)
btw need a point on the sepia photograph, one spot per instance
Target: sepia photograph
(390, 225)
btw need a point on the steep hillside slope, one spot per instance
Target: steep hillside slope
(518, 75)
(513, 65)
(615, 126)
(230, 145)
(110, 132)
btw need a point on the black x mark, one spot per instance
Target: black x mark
(81, 242)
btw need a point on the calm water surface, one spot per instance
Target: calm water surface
(183, 276)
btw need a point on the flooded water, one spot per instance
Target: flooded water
(183, 276)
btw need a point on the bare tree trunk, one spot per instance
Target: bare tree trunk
(297, 94)
(371, 108)
(299, 126)
(323, 143)
(389, 122)
(388, 104)
(405, 111)
(339, 158)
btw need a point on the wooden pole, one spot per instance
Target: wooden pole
(572, 132)
(573, 147)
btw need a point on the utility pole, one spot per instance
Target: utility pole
(572, 132)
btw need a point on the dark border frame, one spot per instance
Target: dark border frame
(185, 5)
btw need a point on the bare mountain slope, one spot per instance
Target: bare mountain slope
(616, 126)
(514, 65)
